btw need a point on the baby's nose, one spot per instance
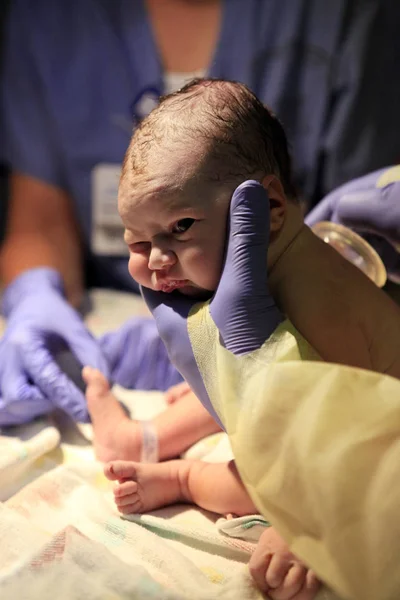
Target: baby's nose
(160, 259)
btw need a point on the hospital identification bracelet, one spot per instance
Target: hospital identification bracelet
(149, 452)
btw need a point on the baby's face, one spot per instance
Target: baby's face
(176, 236)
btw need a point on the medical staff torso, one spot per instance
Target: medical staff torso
(79, 75)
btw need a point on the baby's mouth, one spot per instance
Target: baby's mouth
(169, 285)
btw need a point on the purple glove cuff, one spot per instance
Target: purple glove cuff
(28, 282)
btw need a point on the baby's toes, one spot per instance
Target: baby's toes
(97, 384)
(127, 500)
(120, 469)
(131, 509)
(127, 488)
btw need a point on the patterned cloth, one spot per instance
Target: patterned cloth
(60, 531)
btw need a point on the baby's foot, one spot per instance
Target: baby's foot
(280, 573)
(145, 487)
(115, 434)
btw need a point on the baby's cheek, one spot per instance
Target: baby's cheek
(209, 265)
(138, 268)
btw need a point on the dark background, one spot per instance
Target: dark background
(4, 4)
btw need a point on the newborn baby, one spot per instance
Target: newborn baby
(180, 171)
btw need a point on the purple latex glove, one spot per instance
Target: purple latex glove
(371, 206)
(137, 356)
(40, 323)
(242, 307)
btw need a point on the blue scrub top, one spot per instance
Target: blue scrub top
(74, 70)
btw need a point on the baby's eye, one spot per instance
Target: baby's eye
(182, 225)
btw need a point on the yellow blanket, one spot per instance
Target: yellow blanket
(318, 447)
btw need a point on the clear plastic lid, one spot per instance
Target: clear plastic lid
(354, 248)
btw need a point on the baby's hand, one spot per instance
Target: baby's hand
(278, 572)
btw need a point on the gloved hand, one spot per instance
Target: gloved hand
(41, 322)
(242, 307)
(137, 356)
(371, 206)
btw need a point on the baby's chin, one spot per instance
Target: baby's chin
(196, 292)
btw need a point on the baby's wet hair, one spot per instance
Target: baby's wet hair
(240, 136)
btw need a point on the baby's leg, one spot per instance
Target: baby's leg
(116, 436)
(145, 487)
(114, 433)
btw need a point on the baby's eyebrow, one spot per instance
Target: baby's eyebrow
(129, 229)
(129, 235)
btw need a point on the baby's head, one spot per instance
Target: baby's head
(181, 168)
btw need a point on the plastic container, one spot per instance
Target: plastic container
(353, 247)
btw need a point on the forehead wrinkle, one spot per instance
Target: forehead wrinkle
(135, 191)
(159, 183)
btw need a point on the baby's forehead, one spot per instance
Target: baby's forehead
(147, 194)
(166, 167)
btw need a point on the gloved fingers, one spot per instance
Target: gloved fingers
(87, 350)
(176, 302)
(20, 400)
(170, 377)
(127, 352)
(242, 308)
(370, 202)
(170, 312)
(22, 403)
(360, 209)
(374, 211)
(53, 382)
(324, 210)
(24, 410)
(248, 236)
(111, 344)
(137, 355)
(152, 367)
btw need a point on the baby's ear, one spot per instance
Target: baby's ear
(277, 200)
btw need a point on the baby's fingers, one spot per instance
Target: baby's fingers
(292, 583)
(309, 589)
(258, 567)
(278, 569)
